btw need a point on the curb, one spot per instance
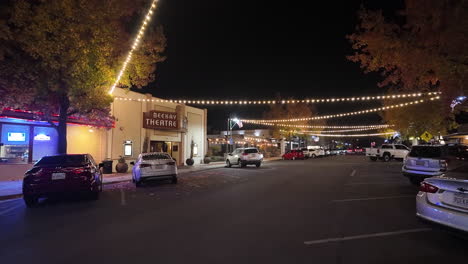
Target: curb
(13, 196)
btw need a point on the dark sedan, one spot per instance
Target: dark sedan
(62, 174)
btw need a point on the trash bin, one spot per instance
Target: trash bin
(107, 166)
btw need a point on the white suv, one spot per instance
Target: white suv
(430, 160)
(244, 157)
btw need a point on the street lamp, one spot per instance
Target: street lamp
(230, 126)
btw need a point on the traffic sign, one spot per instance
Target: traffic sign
(426, 136)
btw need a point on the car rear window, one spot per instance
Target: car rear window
(251, 151)
(426, 152)
(67, 160)
(155, 157)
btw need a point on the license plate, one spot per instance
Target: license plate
(159, 166)
(252, 155)
(420, 163)
(58, 176)
(460, 200)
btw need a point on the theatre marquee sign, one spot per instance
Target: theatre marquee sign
(160, 120)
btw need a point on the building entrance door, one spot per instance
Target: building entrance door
(171, 148)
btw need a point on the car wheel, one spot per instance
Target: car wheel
(313, 156)
(137, 183)
(386, 157)
(242, 164)
(174, 180)
(228, 163)
(30, 200)
(373, 158)
(294, 158)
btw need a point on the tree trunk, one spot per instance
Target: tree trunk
(62, 124)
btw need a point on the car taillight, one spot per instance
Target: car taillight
(378, 150)
(145, 165)
(78, 170)
(171, 163)
(245, 154)
(443, 165)
(426, 187)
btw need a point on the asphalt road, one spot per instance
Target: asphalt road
(342, 209)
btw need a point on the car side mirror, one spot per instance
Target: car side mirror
(132, 163)
(101, 165)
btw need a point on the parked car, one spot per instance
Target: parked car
(425, 161)
(60, 174)
(387, 152)
(306, 152)
(154, 166)
(316, 152)
(293, 155)
(244, 157)
(444, 199)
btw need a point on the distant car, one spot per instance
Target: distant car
(444, 199)
(60, 174)
(425, 161)
(154, 166)
(387, 152)
(293, 155)
(316, 152)
(244, 157)
(306, 152)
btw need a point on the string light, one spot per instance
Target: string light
(135, 44)
(352, 135)
(342, 130)
(372, 110)
(297, 101)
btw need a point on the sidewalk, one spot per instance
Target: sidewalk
(13, 189)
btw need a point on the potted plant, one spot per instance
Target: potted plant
(121, 166)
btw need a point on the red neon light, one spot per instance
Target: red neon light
(40, 113)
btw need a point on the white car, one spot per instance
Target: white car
(386, 152)
(425, 161)
(244, 157)
(154, 166)
(444, 199)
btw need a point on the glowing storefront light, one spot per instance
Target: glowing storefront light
(16, 137)
(42, 137)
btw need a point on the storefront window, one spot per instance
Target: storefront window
(45, 142)
(15, 140)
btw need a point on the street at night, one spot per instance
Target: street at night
(181, 131)
(340, 209)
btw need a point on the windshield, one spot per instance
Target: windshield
(67, 160)
(426, 152)
(251, 151)
(158, 156)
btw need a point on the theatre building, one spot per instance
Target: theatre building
(142, 124)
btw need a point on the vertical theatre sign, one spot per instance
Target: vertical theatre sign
(160, 120)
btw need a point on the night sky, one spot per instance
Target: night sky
(258, 49)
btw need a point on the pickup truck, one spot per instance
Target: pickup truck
(386, 152)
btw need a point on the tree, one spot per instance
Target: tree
(60, 57)
(422, 48)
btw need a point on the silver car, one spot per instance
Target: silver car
(244, 157)
(444, 199)
(154, 166)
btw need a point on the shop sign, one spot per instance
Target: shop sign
(15, 136)
(160, 120)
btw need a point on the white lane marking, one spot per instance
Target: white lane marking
(353, 173)
(122, 197)
(394, 233)
(10, 200)
(366, 183)
(10, 209)
(373, 198)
